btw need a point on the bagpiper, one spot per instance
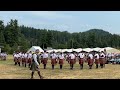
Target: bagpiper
(53, 57)
(90, 60)
(81, 59)
(45, 59)
(61, 59)
(96, 58)
(35, 65)
(72, 60)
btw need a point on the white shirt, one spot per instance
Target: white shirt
(81, 55)
(15, 55)
(45, 55)
(22, 55)
(72, 56)
(25, 55)
(41, 55)
(97, 56)
(61, 56)
(35, 59)
(54, 56)
(4, 54)
(30, 55)
(67, 56)
(91, 56)
(102, 54)
(1, 54)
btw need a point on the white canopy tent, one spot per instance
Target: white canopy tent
(64, 50)
(107, 48)
(49, 51)
(34, 48)
(69, 50)
(97, 49)
(77, 50)
(87, 49)
(58, 50)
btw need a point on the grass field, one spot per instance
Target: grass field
(9, 71)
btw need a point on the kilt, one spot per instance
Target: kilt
(72, 61)
(44, 61)
(61, 61)
(53, 61)
(29, 60)
(23, 60)
(15, 59)
(90, 61)
(26, 60)
(34, 67)
(19, 59)
(4, 58)
(96, 61)
(102, 60)
(41, 60)
(81, 61)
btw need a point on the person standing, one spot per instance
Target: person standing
(67, 57)
(19, 58)
(15, 58)
(53, 59)
(96, 58)
(41, 57)
(102, 59)
(61, 59)
(35, 64)
(29, 59)
(45, 59)
(81, 59)
(72, 60)
(90, 60)
(25, 58)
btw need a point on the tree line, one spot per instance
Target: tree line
(14, 37)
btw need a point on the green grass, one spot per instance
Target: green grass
(9, 71)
